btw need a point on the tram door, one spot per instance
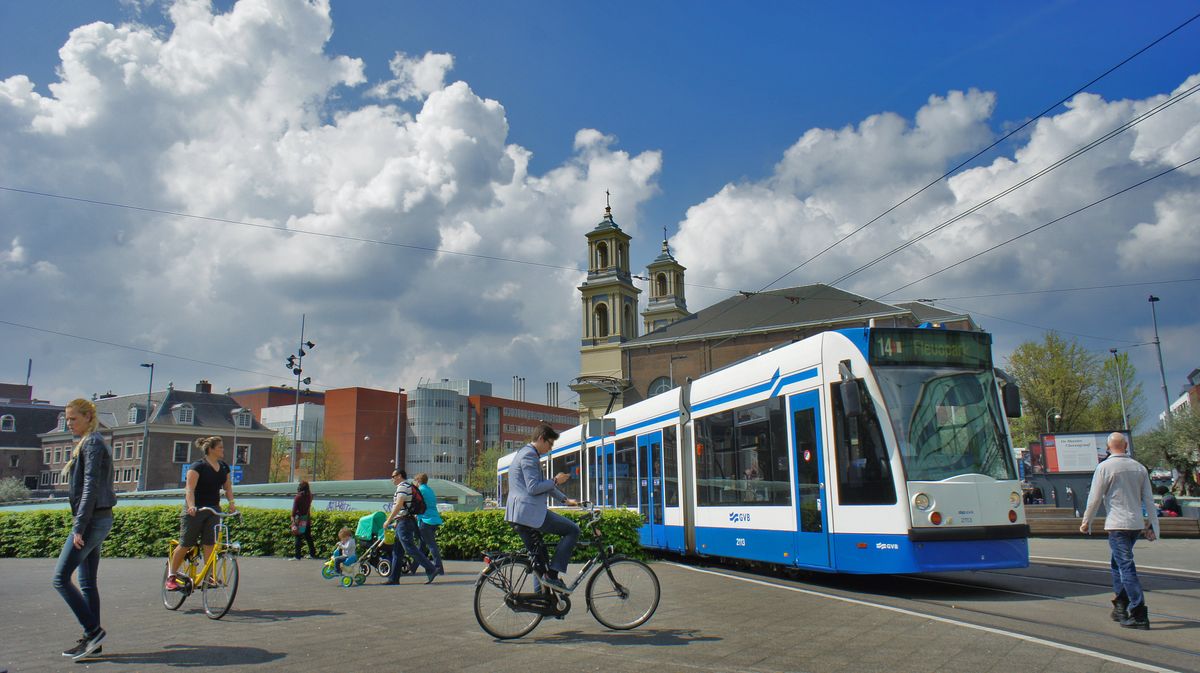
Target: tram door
(650, 489)
(812, 536)
(602, 475)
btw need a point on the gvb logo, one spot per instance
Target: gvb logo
(736, 517)
(887, 546)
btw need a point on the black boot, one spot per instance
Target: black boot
(1138, 619)
(1120, 611)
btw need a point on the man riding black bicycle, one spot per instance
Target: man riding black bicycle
(526, 507)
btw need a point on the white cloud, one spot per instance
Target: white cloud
(414, 78)
(225, 115)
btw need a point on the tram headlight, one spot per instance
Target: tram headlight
(921, 501)
(1014, 498)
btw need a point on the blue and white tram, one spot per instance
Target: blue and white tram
(867, 450)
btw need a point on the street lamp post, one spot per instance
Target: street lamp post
(671, 367)
(1057, 417)
(1120, 389)
(399, 425)
(236, 415)
(145, 431)
(295, 363)
(1161, 371)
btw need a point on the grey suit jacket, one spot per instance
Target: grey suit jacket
(527, 490)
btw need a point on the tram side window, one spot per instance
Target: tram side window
(625, 476)
(864, 469)
(568, 463)
(670, 467)
(741, 456)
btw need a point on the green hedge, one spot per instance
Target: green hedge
(146, 531)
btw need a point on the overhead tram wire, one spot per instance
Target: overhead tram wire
(998, 245)
(989, 147)
(1127, 343)
(931, 300)
(694, 328)
(996, 197)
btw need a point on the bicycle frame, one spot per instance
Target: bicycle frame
(220, 545)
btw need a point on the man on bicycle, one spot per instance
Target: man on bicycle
(526, 504)
(205, 478)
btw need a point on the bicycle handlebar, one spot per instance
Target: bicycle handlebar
(222, 515)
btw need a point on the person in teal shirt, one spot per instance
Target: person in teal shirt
(427, 523)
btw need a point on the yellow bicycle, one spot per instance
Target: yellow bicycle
(217, 578)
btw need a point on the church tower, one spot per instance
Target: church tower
(667, 301)
(610, 309)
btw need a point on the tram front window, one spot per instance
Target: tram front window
(948, 422)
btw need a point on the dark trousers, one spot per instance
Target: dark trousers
(428, 535)
(306, 535)
(406, 533)
(86, 603)
(555, 524)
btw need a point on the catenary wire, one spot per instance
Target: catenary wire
(930, 300)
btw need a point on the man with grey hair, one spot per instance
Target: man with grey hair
(1123, 485)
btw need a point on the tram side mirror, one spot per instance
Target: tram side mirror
(851, 396)
(1012, 399)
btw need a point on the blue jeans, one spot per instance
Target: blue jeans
(86, 603)
(557, 524)
(1124, 573)
(429, 540)
(406, 531)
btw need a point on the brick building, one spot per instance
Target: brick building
(22, 420)
(360, 431)
(177, 419)
(256, 399)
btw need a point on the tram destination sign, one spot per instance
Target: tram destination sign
(930, 348)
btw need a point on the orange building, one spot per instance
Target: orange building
(360, 431)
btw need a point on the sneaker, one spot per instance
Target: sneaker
(429, 575)
(95, 653)
(80, 646)
(91, 643)
(173, 584)
(556, 584)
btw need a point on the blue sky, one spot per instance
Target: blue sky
(710, 98)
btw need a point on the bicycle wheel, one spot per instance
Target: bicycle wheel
(623, 594)
(501, 580)
(221, 586)
(173, 599)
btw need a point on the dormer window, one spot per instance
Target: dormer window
(62, 423)
(8, 423)
(243, 419)
(184, 414)
(133, 414)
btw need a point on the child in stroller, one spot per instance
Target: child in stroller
(342, 562)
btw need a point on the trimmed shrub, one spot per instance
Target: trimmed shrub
(147, 531)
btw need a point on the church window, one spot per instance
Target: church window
(601, 256)
(661, 283)
(601, 322)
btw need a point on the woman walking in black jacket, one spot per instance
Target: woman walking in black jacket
(301, 512)
(89, 475)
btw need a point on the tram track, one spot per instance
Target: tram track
(1059, 627)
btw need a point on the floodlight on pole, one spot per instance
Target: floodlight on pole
(295, 363)
(1161, 370)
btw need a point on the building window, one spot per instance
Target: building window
(181, 452)
(133, 414)
(47, 454)
(184, 414)
(62, 423)
(8, 423)
(661, 284)
(45, 479)
(14, 461)
(601, 321)
(242, 419)
(139, 448)
(128, 474)
(58, 454)
(601, 256)
(658, 386)
(242, 455)
(129, 449)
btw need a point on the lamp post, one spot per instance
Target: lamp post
(294, 363)
(1057, 417)
(236, 414)
(145, 431)
(1161, 371)
(671, 367)
(1120, 389)
(399, 425)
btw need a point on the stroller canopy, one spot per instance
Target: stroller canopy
(370, 526)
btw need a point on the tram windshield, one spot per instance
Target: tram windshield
(948, 422)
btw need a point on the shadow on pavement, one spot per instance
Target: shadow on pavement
(655, 637)
(237, 615)
(193, 656)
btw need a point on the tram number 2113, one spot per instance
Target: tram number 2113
(739, 541)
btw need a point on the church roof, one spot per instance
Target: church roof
(749, 312)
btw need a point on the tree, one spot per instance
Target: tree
(13, 488)
(1056, 377)
(482, 475)
(281, 458)
(1106, 410)
(323, 463)
(1176, 445)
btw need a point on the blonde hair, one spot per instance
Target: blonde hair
(206, 444)
(83, 407)
(345, 533)
(421, 479)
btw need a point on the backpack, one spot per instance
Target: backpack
(416, 504)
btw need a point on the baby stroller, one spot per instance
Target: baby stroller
(377, 557)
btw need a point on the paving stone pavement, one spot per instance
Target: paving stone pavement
(287, 617)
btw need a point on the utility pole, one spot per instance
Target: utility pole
(1161, 370)
(146, 432)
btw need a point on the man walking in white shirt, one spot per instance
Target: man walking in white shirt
(1123, 485)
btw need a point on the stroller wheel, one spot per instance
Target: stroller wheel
(384, 568)
(364, 568)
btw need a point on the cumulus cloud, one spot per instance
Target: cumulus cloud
(226, 115)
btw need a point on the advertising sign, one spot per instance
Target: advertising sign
(1070, 452)
(236, 474)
